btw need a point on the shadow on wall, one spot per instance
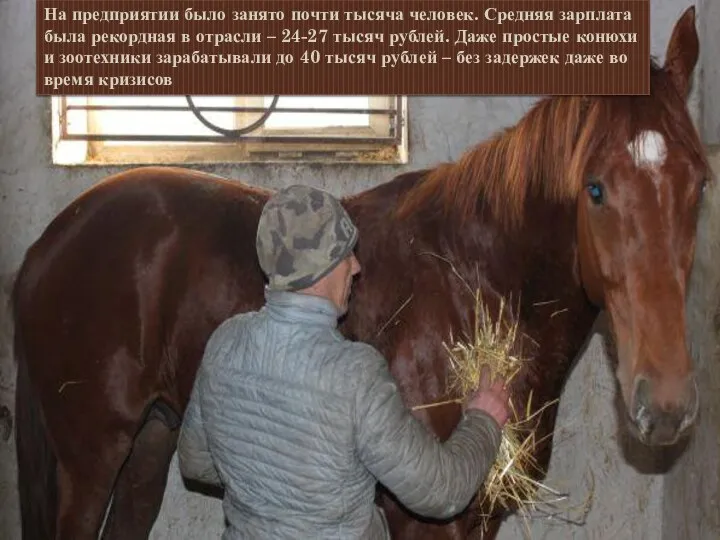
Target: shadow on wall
(7, 377)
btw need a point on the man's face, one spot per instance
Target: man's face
(340, 282)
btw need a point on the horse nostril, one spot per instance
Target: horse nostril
(643, 398)
(693, 405)
(642, 403)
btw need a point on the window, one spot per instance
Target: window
(108, 130)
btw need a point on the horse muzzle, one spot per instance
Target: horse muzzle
(658, 420)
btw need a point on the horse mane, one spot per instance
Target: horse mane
(547, 153)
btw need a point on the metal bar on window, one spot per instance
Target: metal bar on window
(306, 110)
(63, 117)
(398, 120)
(320, 139)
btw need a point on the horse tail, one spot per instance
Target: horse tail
(37, 480)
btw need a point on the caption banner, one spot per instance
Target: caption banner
(343, 47)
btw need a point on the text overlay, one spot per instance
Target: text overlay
(343, 47)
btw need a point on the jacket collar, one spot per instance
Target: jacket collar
(294, 307)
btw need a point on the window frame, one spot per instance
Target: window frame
(259, 147)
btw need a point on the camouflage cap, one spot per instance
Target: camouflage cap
(303, 233)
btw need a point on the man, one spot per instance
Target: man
(298, 423)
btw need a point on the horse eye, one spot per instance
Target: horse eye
(703, 185)
(595, 191)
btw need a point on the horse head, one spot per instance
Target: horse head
(636, 218)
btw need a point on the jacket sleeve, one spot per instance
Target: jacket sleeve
(431, 478)
(193, 454)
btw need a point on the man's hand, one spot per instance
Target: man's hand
(491, 397)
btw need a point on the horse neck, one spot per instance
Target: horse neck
(534, 268)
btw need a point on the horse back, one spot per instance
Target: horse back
(143, 266)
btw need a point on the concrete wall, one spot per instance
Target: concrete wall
(627, 503)
(708, 25)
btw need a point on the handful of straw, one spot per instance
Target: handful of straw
(509, 483)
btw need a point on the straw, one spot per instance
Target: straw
(510, 483)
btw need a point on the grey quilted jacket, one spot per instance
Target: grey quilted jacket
(298, 423)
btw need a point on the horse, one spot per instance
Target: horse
(587, 204)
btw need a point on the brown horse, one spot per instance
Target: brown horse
(587, 203)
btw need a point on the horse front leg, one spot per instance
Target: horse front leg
(404, 526)
(488, 533)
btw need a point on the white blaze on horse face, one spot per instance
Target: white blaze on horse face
(648, 149)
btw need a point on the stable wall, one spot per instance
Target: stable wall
(627, 503)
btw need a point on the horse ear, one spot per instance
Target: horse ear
(682, 52)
